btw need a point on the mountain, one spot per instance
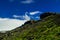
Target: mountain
(47, 28)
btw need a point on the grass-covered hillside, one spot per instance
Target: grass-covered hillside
(47, 28)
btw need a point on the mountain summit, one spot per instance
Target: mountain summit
(47, 28)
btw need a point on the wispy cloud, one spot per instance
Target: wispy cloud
(17, 16)
(30, 16)
(9, 24)
(35, 12)
(25, 17)
(27, 1)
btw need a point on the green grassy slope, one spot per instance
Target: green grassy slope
(47, 28)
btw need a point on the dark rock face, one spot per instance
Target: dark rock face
(46, 14)
(28, 22)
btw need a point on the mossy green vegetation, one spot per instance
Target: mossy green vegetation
(47, 28)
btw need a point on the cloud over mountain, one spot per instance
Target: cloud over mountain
(9, 24)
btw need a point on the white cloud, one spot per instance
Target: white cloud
(35, 12)
(27, 1)
(25, 17)
(16, 16)
(9, 24)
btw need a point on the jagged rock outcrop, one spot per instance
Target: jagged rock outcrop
(46, 14)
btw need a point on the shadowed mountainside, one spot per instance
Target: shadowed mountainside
(48, 28)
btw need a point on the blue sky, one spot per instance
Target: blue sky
(19, 11)
(8, 8)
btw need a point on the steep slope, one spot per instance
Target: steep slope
(48, 28)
